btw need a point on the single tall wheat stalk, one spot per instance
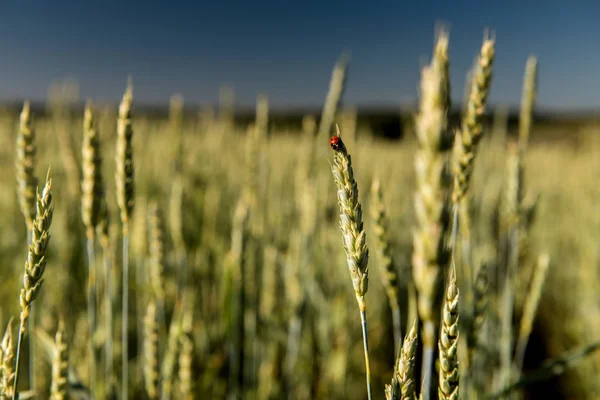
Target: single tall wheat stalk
(353, 235)
(430, 254)
(92, 195)
(125, 198)
(35, 265)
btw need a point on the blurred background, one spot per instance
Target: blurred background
(234, 236)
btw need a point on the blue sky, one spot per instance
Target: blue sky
(286, 49)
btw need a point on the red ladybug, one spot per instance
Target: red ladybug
(336, 143)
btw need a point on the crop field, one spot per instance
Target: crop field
(203, 256)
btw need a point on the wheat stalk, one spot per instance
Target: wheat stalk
(124, 177)
(430, 252)
(353, 235)
(92, 197)
(35, 265)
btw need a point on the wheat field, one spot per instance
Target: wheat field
(236, 241)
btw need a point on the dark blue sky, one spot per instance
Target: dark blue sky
(286, 49)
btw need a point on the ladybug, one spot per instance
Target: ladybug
(336, 143)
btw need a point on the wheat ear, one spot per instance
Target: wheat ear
(60, 364)
(448, 343)
(26, 160)
(403, 385)
(337, 85)
(156, 229)
(7, 387)
(151, 374)
(480, 305)
(186, 357)
(527, 102)
(472, 125)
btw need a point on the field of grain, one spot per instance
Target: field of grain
(237, 240)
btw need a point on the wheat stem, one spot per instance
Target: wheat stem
(430, 249)
(91, 289)
(125, 320)
(427, 366)
(397, 326)
(363, 320)
(35, 265)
